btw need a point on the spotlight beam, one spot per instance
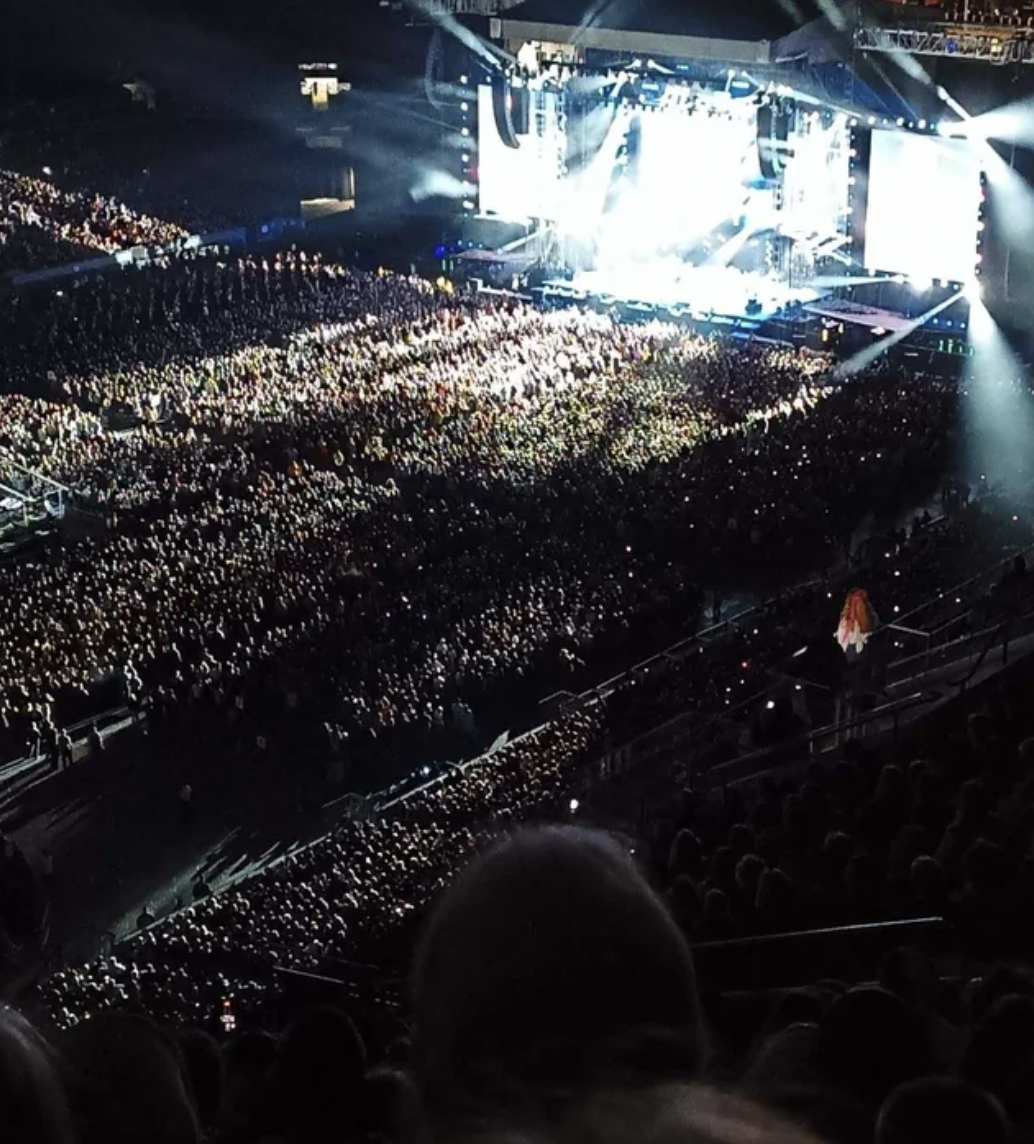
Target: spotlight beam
(490, 53)
(999, 408)
(866, 357)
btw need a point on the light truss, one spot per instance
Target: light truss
(465, 7)
(999, 46)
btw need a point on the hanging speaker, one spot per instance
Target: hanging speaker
(520, 110)
(502, 111)
(773, 131)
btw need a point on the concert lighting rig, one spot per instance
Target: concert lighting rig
(995, 44)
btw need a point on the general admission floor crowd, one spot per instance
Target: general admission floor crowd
(390, 511)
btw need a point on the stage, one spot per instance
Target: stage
(720, 294)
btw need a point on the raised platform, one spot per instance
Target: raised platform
(712, 293)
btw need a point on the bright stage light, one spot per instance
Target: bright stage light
(973, 290)
(872, 120)
(920, 285)
(924, 200)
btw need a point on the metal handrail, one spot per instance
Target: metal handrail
(894, 707)
(601, 690)
(826, 931)
(999, 563)
(955, 643)
(907, 631)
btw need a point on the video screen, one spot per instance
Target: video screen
(924, 207)
(681, 175)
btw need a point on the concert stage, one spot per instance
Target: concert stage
(719, 294)
(729, 197)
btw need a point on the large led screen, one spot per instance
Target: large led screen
(676, 172)
(924, 206)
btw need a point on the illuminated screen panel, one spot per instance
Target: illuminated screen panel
(924, 206)
(677, 176)
(816, 199)
(523, 183)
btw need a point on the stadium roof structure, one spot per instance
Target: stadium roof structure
(724, 19)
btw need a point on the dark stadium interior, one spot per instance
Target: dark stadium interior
(515, 601)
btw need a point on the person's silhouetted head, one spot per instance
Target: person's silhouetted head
(941, 1110)
(127, 1083)
(318, 1077)
(927, 883)
(741, 840)
(748, 873)
(389, 1108)
(548, 964)
(870, 1042)
(33, 1104)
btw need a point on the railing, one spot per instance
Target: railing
(773, 961)
(798, 748)
(940, 654)
(674, 652)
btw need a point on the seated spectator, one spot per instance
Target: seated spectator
(1000, 1055)
(127, 1083)
(870, 1042)
(548, 967)
(33, 1104)
(941, 1110)
(318, 1078)
(389, 1114)
(928, 887)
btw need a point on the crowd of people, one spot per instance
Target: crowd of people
(553, 992)
(271, 486)
(300, 490)
(466, 496)
(42, 224)
(547, 972)
(389, 507)
(376, 506)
